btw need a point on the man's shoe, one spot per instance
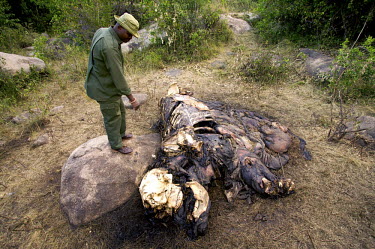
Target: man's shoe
(125, 150)
(127, 136)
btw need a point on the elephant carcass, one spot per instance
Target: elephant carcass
(203, 141)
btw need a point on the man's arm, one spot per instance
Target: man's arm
(113, 62)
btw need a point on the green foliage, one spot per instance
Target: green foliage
(147, 59)
(237, 5)
(191, 27)
(318, 21)
(358, 78)
(14, 38)
(265, 69)
(6, 17)
(35, 14)
(15, 87)
(41, 51)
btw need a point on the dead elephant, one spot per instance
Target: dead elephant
(204, 141)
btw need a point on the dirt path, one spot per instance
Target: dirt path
(333, 206)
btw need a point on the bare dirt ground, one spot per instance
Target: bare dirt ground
(333, 206)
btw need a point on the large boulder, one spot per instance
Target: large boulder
(13, 63)
(319, 65)
(96, 179)
(237, 25)
(147, 36)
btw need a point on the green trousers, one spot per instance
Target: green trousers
(114, 121)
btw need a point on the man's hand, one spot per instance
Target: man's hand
(135, 104)
(133, 101)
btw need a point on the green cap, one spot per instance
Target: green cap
(129, 23)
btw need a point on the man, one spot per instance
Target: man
(105, 81)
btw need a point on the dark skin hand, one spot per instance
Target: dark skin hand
(133, 102)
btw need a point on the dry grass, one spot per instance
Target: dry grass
(333, 206)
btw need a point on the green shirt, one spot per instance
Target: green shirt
(105, 73)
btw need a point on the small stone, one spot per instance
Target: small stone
(175, 72)
(259, 217)
(140, 97)
(56, 109)
(25, 116)
(41, 140)
(219, 64)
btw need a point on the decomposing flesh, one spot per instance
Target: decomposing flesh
(204, 141)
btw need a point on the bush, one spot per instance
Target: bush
(15, 87)
(358, 78)
(310, 22)
(237, 5)
(192, 27)
(265, 69)
(14, 38)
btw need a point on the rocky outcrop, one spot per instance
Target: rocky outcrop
(362, 132)
(152, 33)
(13, 63)
(146, 38)
(95, 179)
(237, 25)
(319, 65)
(26, 116)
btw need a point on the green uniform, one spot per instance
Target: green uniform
(105, 82)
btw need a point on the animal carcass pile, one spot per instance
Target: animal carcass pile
(204, 141)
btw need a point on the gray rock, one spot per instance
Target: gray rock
(252, 16)
(219, 64)
(56, 109)
(175, 72)
(362, 131)
(238, 26)
(57, 47)
(147, 37)
(13, 63)
(30, 51)
(25, 116)
(140, 97)
(41, 140)
(320, 66)
(95, 179)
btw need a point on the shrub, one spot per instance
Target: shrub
(311, 22)
(15, 87)
(237, 5)
(265, 69)
(191, 27)
(14, 38)
(358, 78)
